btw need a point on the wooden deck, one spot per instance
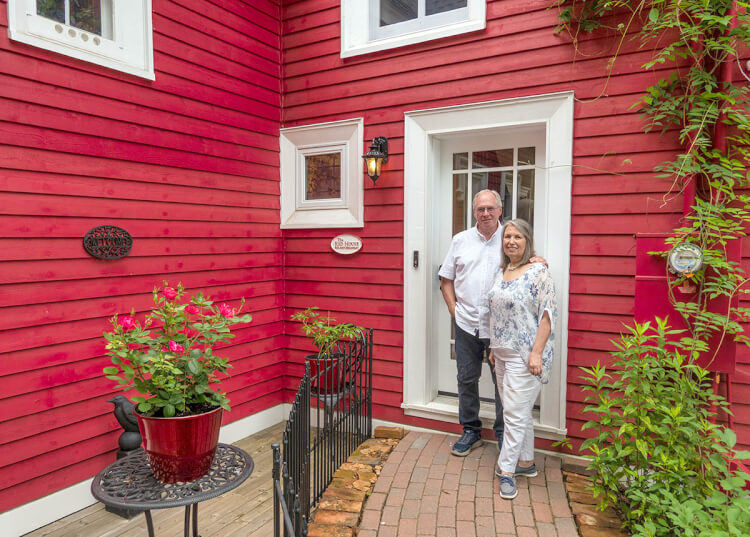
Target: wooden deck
(243, 512)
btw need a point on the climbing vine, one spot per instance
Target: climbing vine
(657, 451)
(698, 99)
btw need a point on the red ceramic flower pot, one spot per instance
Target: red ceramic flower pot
(180, 449)
(328, 374)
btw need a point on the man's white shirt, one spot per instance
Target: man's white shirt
(472, 263)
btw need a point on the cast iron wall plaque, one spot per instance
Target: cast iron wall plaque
(108, 242)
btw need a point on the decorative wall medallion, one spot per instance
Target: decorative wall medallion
(107, 242)
(346, 244)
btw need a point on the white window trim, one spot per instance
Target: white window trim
(358, 35)
(422, 130)
(347, 212)
(131, 49)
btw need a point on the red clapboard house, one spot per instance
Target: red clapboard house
(189, 123)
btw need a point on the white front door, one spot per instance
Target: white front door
(451, 153)
(502, 160)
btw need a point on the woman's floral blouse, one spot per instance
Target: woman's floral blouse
(516, 309)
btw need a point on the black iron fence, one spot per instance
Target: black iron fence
(331, 416)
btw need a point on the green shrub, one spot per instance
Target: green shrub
(660, 458)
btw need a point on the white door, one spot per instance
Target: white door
(502, 160)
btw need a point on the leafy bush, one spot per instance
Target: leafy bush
(324, 333)
(659, 456)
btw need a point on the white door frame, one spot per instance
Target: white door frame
(421, 168)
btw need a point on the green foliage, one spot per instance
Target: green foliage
(169, 358)
(323, 332)
(659, 456)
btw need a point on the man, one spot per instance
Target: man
(466, 276)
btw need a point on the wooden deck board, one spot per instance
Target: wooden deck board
(243, 512)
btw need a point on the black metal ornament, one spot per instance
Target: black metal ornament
(107, 242)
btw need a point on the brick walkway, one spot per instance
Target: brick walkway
(424, 490)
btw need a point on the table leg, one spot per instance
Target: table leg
(149, 523)
(195, 520)
(187, 521)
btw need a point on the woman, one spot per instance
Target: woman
(522, 311)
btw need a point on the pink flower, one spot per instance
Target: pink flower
(192, 309)
(127, 322)
(226, 311)
(175, 347)
(190, 332)
(169, 293)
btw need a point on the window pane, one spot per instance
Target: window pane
(323, 176)
(493, 159)
(459, 202)
(52, 9)
(460, 161)
(526, 155)
(86, 15)
(393, 11)
(525, 207)
(439, 6)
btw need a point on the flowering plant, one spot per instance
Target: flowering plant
(169, 359)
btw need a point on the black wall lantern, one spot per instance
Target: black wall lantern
(377, 155)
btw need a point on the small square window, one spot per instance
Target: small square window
(114, 34)
(322, 178)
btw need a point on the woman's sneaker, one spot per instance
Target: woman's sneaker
(508, 489)
(529, 471)
(468, 441)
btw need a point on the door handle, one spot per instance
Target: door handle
(415, 259)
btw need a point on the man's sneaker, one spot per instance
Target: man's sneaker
(529, 471)
(508, 488)
(468, 441)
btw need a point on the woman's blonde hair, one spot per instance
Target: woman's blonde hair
(525, 229)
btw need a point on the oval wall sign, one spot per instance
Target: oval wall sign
(346, 244)
(107, 242)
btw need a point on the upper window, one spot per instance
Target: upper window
(112, 33)
(321, 175)
(395, 23)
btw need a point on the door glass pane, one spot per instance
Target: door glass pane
(459, 202)
(323, 176)
(460, 161)
(493, 159)
(525, 208)
(86, 15)
(439, 6)
(394, 11)
(51, 9)
(526, 156)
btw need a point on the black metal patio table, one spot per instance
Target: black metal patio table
(129, 484)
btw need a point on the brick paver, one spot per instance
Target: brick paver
(423, 490)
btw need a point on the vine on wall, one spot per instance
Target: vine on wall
(659, 455)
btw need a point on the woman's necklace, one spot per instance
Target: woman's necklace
(514, 267)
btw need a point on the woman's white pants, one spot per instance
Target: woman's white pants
(518, 390)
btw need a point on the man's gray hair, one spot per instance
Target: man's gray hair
(498, 199)
(525, 229)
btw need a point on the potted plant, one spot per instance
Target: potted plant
(169, 360)
(326, 368)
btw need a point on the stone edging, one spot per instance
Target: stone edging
(341, 505)
(590, 521)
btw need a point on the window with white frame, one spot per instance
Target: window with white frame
(395, 23)
(321, 175)
(112, 33)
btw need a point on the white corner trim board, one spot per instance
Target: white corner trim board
(33, 515)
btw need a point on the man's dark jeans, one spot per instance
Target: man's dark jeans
(470, 353)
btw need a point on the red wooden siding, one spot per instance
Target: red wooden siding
(614, 192)
(187, 164)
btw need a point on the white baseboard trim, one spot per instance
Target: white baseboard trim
(46, 510)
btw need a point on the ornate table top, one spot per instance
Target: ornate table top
(129, 484)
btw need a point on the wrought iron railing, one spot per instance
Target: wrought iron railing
(335, 395)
